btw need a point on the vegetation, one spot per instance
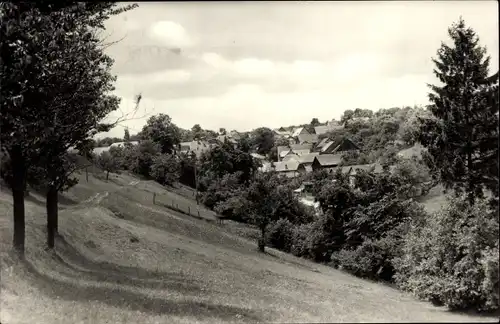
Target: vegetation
(369, 224)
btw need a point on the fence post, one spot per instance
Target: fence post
(154, 198)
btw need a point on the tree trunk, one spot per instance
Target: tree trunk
(107, 175)
(18, 192)
(52, 216)
(262, 240)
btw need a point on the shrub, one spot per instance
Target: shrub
(372, 259)
(300, 237)
(280, 235)
(452, 258)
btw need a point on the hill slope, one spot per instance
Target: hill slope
(121, 259)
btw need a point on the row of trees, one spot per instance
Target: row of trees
(56, 89)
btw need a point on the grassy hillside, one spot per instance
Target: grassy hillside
(122, 259)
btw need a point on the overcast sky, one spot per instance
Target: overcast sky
(245, 65)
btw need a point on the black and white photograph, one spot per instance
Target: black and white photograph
(249, 162)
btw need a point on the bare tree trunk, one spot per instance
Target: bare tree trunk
(262, 240)
(52, 216)
(107, 175)
(18, 191)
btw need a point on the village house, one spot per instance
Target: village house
(294, 149)
(196, 147)
(330, 127)
(99, 150)
(287, 168)
(332, 147)
(326, 161)
(306, 161)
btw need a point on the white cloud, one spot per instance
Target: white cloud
(254, 67)
(171, 33)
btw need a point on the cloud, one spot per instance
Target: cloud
(170, 33)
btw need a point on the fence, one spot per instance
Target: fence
(186, 207)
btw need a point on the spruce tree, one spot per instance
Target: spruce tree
(462, 136)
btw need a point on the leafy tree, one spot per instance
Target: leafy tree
(263, 203)
(451, 258)
(463, 135)
(126, 136)
(262, 140)
(197, 132)
(222, 131)
(347, 116)
(161, 130)
(165, 169)
(107, 162)
(142, 156)
(314, 122)
(55, 80)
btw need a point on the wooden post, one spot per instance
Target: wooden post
(154, 198)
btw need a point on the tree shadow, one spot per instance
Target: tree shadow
(62, 200)
(86, 279)
(68, 257)
(135, 301)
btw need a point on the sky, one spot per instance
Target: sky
(243, 65)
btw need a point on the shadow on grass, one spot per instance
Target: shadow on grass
(41, 202)
(84, 288)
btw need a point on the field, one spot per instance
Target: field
(122, 259)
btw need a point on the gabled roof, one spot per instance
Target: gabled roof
(308, 158)
(290, 165)
(301, 146)
(281, 149)
(321, 129)
(327, 146)
(290, 156)
(310, 138)
(285, 153)
(301, 152)
(299, 131)
(328, 159)
(352, 169)
(323, 142)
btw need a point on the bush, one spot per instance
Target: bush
(300, 237)
(452, 258)
(372, 259)
(280, 235)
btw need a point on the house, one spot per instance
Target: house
(326, 161)
(299, 131)
(342, 145)
(307, 138)
(281, 149)
(235, 135)
(290, 155)
(99, 150)
(282, 132)
(301, 147)
(306, 161)
(296, 149)
(411, 152)
(197, 147)
(352, 170)
(287, 168)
